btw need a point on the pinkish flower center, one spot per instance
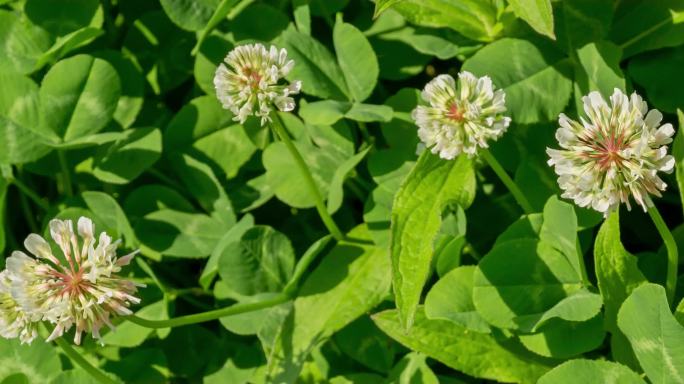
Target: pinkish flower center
(71, 283)
(454, 113)
(605, 149)
(253, 77)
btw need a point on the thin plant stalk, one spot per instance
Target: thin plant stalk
(209, 315)
(583, 268)
(79, 360)
(23, 188)
(28, 213)
(670, 246)
(280, 131)
(66, 174)
(508, 182)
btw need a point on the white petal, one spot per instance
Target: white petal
(38, 246)
(86, 228)
(653, 118)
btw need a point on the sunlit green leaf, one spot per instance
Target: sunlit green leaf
(415, 224)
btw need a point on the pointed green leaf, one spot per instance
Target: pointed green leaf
(537, 13)
(383, 5)
(616, 269)
(351, 279)
(476, 354)
(475, 19)
(416, 219)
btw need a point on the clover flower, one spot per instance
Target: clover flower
(82, 290)
(14, 322)
(616, 153)
(461, 116)
(247, 83)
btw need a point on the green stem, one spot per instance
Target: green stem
(30, 194)
(83, 363)
(303, 264)
(308, 178)
(28, 214)
(508, 182)
(671, 247)
(583, 268)
(194, 291)
(349, 183)
(209, 315)
(66, 174)
(148, 270)
(364, 132)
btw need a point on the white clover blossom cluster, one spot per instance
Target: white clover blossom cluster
(82, 289)
(616, 153)
(461, 117)
(248, 82)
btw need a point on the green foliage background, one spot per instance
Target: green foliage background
(107, 109)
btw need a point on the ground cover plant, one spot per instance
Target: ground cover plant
(341, 191)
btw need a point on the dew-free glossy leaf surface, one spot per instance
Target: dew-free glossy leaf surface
(654, 333)
(476, 354)
(414, 223)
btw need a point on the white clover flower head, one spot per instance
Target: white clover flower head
(82, 289)
(461, 116)
(616, 153)
(14, 322)
(248, 82)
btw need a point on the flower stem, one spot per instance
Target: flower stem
(209, 315)
(28, 214)
(76, 357)
(670, 246)
(583, 268)
(308, 178)
(508, 182)
(66, 175)
(364, 132)
(30, 194)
